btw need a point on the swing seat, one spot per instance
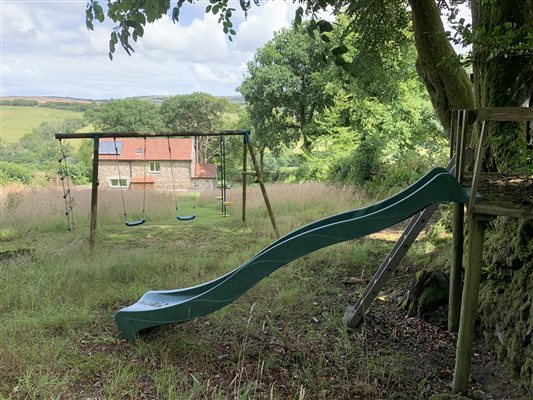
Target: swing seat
(185, 217)
(228, 203)
(135, 223)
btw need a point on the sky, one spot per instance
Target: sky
(46, 50)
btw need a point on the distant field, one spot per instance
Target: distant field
(17, 121)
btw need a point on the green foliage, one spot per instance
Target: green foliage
(361, 165)
(131, 18)
(285, 89)
(39, 150)
(197, 112)
(11, 172)
(126, 115)
(194, 112)
(504, 38)
(59, 105)
(19, 102)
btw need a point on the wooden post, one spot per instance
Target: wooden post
(94, 193)
(244, 176)
(456, 268)
(465, 338)
(261, 184)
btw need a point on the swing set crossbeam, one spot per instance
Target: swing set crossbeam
(110, 135)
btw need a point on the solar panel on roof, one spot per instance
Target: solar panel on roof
(109, 148)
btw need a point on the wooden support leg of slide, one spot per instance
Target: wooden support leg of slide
(469, 304)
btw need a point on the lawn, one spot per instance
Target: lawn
(282, 339)
(16, 121)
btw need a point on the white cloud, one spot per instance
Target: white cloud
(261, 24)
(16, 19)
(201, 41)
(47, 50)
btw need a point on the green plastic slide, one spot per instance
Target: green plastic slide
(168, 306)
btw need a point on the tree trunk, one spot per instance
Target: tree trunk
(445, 79)
(503, 80)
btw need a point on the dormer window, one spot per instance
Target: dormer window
(138, 151)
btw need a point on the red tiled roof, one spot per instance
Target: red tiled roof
(205, 171)
(156, 149)
(142, 179)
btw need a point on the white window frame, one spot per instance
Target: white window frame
(118, 185)
(155, 164)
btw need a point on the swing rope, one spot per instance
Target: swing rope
(144, 179)
(120, 180)
(181, 217)
(63, 171)
(142, 220)
(195, 160)
(223, 175)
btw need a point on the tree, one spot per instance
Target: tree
(285, 89)
(39, 150)
(195, 112)
(11, 172)
(502, 34)
(126, 115)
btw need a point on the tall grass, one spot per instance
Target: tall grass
(282, 339)
(40, 209)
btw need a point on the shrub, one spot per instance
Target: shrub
(11, 172)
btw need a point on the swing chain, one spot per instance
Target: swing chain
(67, 194)
(172, 174)
(120, 179)
(144, 179)
(223, 187)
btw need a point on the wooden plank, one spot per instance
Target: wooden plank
(497, 210)
(453, 134)
(456, 270)
(91, 135)
(465, 338)
(354, 315)
(505, 114)
(462, 144)
(262, 185)
(477, 168)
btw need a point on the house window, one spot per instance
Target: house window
(155, 166)
(138, 151)
(115, 182)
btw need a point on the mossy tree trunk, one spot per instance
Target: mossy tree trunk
(503, 80)
(445, 79)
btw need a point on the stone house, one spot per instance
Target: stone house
(137, 166)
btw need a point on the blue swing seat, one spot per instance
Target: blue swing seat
(185, 217)
(135, 223)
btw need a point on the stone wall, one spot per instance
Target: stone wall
(163, 179)
(205, 184)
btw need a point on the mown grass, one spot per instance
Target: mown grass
(17, 121)
(282, 339)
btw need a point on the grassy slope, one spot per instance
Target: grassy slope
(283, 339)
(18, 121)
